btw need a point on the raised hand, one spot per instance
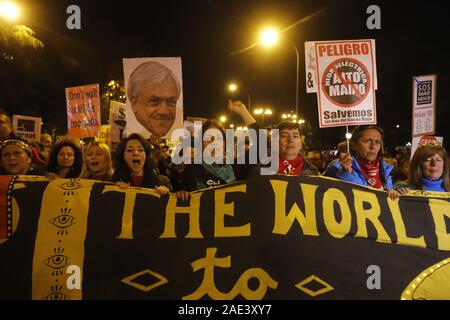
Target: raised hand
(236, 106)
(240, 108)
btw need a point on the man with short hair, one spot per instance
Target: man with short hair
(47, 143)
(153, 91)
(316, 158)
(6, 129)
(6, 132)
(290, 145)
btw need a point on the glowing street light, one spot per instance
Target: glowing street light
(289, 116)
(233, 87)
(264, 112)
(268, 38)
(9, 10)
(223, 119)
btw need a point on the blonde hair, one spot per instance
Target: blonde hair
(108, 171)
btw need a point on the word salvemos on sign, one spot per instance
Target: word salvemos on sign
(346, 80)
(299, 237)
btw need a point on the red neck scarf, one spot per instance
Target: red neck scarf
(290, 167)
(137, 180)
(371, 172)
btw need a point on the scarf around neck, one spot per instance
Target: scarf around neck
(433, 185)
(222, 171)
(291, 167)
(371, 172)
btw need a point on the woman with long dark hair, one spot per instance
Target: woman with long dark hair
(65, 160)
(133, 165)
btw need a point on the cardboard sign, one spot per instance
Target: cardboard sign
(105, 133)
(345, 75)
(423, 113)
(83, 111)
(310, 64)
(118, 122)
(28, 128)
(420, 141)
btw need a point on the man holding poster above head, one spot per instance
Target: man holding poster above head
(153, 91)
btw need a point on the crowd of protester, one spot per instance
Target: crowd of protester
(138, 162)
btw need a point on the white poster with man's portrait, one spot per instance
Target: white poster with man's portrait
(154, 96)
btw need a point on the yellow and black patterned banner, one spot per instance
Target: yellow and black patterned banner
(274, 237)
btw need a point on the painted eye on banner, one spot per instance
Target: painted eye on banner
(63, 221)
(55, 294)
(71, 186)
(57, 261)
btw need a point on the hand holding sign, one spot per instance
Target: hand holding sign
(346, 160)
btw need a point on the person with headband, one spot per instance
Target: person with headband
(16, 157)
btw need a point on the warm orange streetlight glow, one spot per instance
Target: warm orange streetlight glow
(269, 37)
(9, 10)
(232, 87)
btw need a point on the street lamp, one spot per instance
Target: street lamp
(223, 119)
(289, 116)
(9, 10)
(268, 38)
(264, 112)
(233, 87)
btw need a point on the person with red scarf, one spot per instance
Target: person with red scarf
(364, 164)
(290, 145)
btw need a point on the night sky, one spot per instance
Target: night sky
(412, 41)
